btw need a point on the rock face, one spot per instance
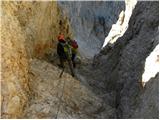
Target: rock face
(123, 64)
(121, 26)
(148, 100)
(91, 22)
(110, 87)
(14, 89)
(40, 22)
(151, 66)
(65, 97)
(28, 29)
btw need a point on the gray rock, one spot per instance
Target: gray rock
(91, 22)
(123, 64)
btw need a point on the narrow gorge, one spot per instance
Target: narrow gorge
(117, 76)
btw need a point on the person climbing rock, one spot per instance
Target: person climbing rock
(60, 50)
(65, 53)
(74, 48)
(74, 51)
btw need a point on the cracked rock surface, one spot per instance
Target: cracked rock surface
(67, 95)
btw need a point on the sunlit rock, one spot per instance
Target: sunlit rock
(28, 29)
(121, 26)
(124, 64)
(151, 66)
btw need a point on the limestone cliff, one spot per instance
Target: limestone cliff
(65, 97)
(91, 22)
(115, 85)
(121, 26)
(29, 29)
(14, 66)
(40, 22)
(123, 64)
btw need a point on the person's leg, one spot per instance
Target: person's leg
(71, 67)
(61, 62)
(73, 60)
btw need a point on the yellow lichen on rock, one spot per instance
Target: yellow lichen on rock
(41, 22)
(29, 29)
(14, 65)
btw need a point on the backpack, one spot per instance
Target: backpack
(67, 50)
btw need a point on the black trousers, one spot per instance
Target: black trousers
(61, 60)
(73, 60)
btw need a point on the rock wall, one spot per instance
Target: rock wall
(149, 96)
(91, 22)
(121, 26)
(148, 107)
(41, 22)
(14, 83)
(62, 98)
(29, 30)
(123, 64)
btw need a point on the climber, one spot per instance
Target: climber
(74, 46)
(60, 50)
(65, 53)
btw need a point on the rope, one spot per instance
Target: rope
(72, 72)
(60, 100)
